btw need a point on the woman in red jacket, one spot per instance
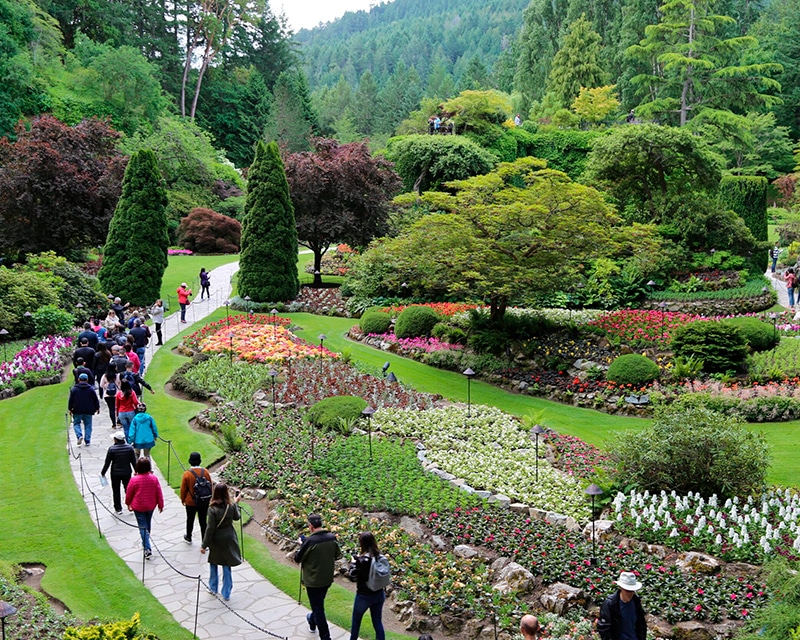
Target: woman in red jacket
(142, 497)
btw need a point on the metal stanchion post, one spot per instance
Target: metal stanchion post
(197, 606)
(96, 514)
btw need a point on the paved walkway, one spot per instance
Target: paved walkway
(256, 609)
(779, 284)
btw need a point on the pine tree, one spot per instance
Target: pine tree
(135, 255)
(268, 261)
(291, 120)
(577, 63)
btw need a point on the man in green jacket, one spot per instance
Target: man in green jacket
(317, 556)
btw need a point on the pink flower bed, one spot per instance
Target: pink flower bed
(428, 345)
(41, 356)
(179, 252)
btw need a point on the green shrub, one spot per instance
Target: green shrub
(332, 413)
(18, 386)
(414, 322)
(720, 346)
(692, 449)
(375, 322)
(122, 630)
(759, 335)
(633, 369)
(50, 320)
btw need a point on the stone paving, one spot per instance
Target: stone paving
(779, 284)
(256, 606)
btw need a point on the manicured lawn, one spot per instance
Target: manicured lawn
(187, 269)
(307, 278)
(45, 520)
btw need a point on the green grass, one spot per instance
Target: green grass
(307, 278)
(45, 520)
(187, 269)
(11, 348)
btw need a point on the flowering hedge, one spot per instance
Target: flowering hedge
(574, 456)
(179, 252)
(444, 309)
(39, 359)
(736, 531)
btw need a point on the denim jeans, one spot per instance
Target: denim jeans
(125, 418)
(227, 580)
(790, 291)
(183, 312)
(316, 599)
(86, 418)
(143, 519)
(141, 352)
(373, 602)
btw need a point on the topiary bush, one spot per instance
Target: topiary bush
(414, 322)
(692, 449)
(375, 322)
(759, 335)
(332, 413)
(720, 346)
(50, 321)
(633, 369)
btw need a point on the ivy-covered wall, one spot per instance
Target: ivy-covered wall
(747, 196)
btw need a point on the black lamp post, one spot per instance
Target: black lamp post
(593, 490)
(228, 312)
(230, 335)
(273, 374)
(28, 315)
(247, 299)
(470, 374)
(367, 413)
(5, 611)
(274, 313)
(322, 338)
(537, 431)
(391, 377)
(3, 334)
(774, 317)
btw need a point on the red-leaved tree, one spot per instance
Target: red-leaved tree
(206, 231)
(58, 186)
(340, 193)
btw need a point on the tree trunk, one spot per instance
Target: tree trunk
(497, 309)
(318, 253)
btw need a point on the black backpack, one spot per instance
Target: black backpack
(202, 488)
(111, 389)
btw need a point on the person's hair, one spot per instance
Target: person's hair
(143, 465)
(111, 375)
(127, 346)
(159, 303)
(80, 361)
(367, 543)
(315, 520)
(137, 323)
(129, 364)
(141, 408)
(112, 312)
(202, 269)
(126, 388)
(87, 325)
(194, 458)
(529, 624)
(129, 340)
(220, 496)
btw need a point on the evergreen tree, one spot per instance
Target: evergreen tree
(440, 82)
(291, 119)
(135, 254)
(577, 63)
(476, 77)
(399, 97)
(364, 105)
(268, 261)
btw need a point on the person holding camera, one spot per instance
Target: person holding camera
(221, 540)
(317, 556)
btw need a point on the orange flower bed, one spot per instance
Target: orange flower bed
(262, 343)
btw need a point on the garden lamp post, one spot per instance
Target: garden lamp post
(391, 377)
(6, 610)
(470, 374)
(28, 315)
(537, 431)
(593, 490)
(774, 317)
(322, 338)
(385, 367)
(4, 333)
(247, 299)
(274, 313)
(367, 413)
(273, 374)
(227, 313)
(230, 335)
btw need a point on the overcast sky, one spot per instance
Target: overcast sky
(306, 14)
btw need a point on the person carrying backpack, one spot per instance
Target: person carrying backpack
(109, 386)
(196, 489)
(372, 574)
(136, 381)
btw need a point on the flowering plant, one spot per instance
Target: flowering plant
(42, 357)
(193, 340)
(417, 345)
(642, 327)
(259, 343)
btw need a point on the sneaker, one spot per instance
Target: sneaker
(80, 440)
(311, 625)
(147, 553)
(213, 593)
(119, 513)
(188, 539)
(86, 444)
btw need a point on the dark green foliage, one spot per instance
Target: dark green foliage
(414, 322)
(181, 383)
(633, 369)
(747, 196)
(50, 320)
(759, 335)
(375, 322)
(564, 150)
(719, 345)
(135, 255)
(780, 618)
(425, 162)
(449, 333)
(336, 413)
(268, 261)
(692, 450)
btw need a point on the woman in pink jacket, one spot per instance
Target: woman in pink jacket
(142, 497)
(184, 293)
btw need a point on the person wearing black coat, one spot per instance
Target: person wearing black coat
(366, 598)
(122, 460)
(622, 616)
(91, 337)
(80, 367)
(84, 351)
(83, 404)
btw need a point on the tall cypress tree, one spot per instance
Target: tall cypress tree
(135, 255)
(268, 260)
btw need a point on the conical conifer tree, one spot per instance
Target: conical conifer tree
(268, 260)
(135, 255)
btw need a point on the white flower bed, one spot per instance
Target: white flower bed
(489, 450)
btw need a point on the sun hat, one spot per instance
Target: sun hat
(83, 376)
(183, 284)
(118, 435)
(628, 581)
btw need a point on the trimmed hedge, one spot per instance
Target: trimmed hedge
(759, 335)
(330, 413)
(375, 322)
(633, 369)
(720, 346)
(747, 196)
(414, 322)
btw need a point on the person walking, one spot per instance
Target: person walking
(80, 369)
(774, 253)
(141, 338)
(143, 431)
(142, 497)
(84, 352)
(126, 401)
(101, 360)
(109, 386)
(91, 336)
(136, 380)
(195, 495)
(157, 314)
(122, 461)
(221, 541)
(83, 404)
(366, 597)
(205, 283)
(622, 616)
(317, 556)
(790, 279)
(184, 293)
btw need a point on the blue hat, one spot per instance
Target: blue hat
(83, 376)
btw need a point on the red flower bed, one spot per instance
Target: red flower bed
(445, 309)
(639, 327)
(193, 340)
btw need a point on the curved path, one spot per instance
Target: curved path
(256, 609)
